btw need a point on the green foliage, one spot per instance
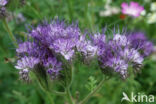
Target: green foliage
(14, 91)
(13, 5)
(91, 83)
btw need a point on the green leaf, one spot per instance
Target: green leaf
(13, 4)
(92, 83)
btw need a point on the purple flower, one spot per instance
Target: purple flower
(25, 47)
(120, 40)
(132, 55)
(140, 42)
(64, 46)
(49, 43)
(58, 37)
(134, 9)
(86, 47)
(98, 38)
(118, 65)
(27, 63)
(99, 41)
(117, 55)
(54, 67)
(3, 2)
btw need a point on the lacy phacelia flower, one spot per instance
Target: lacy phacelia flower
(86, 47)
(58, 37)
(27, 63)
(134, 9)
(50, 42)
(34, 53)
(3, 2)
(120, 40)
(140, 42)
(119, 65)
(117, 54)
(54, 67)
(25, 47)
(130, 54)
(24, 64)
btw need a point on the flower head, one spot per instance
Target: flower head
(121, 40)
(134, 9)
(117, 54)
(53, 67)
(25, 47)
(86, 47)
(58, 37)
(27, 63)
(139, 42)
(49, 43)
(3, 2)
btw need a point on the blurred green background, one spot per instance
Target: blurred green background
(88, 15)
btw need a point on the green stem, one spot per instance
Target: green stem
(115, 22)
(49, 97)
(69, 96)
(72, 75)
(70, 9)
(13, 39)
(99, 86)
(89, 14)
(59, 93)
(49, 6)
(36, 12)
(47, 93)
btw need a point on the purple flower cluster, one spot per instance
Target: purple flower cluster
(121, 51)
(140, 42)
(49, 42)
(86, 47)
(58, 37)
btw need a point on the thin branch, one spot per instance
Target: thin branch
(98, 87)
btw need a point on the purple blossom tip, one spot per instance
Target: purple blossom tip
(3, 2)
(27, 63)
(117, 54)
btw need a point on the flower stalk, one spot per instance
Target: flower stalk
(13, 39)
(69, 96)
(98, 87)
(68, 93)
(70, 8)
(46, 92)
